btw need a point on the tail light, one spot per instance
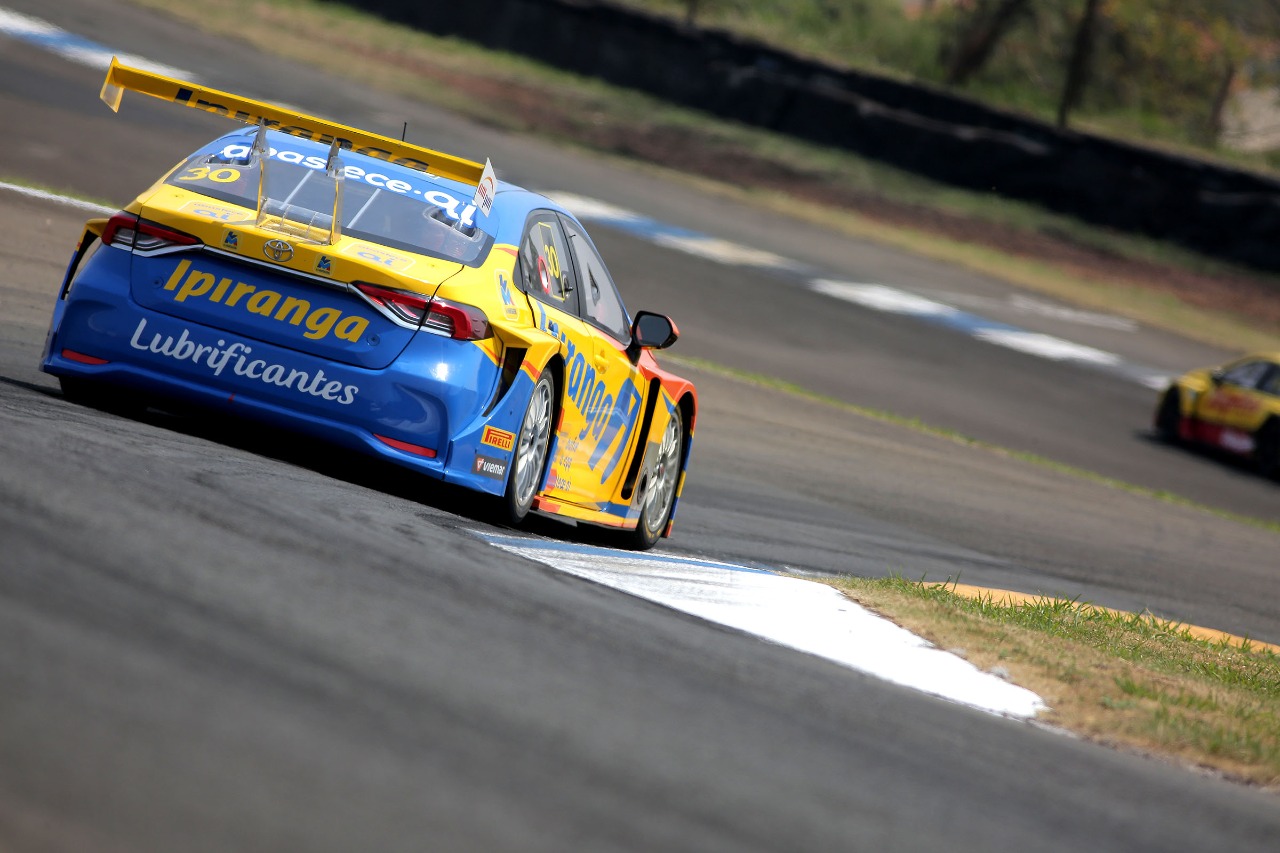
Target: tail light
(401, 304)
(127, 231)
(458, 321)
(454, 319)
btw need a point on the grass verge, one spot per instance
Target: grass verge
(1125, 680)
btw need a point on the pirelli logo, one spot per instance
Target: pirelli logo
(500, 439)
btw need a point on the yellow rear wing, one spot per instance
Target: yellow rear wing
(121, 77)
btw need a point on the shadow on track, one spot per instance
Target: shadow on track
(328, 460)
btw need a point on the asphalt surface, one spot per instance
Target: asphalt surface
(213, 637)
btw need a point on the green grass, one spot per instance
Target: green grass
(1131, 680)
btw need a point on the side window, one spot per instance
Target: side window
(598, 297)
(545, 269)
(1247, 374)
(1271, 384)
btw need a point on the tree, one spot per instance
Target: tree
(988, 24)
(1165, 67)
(1078, 64)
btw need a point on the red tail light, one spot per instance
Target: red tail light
(458, 321)
(410, 307)
(129, 231)
(462, 322)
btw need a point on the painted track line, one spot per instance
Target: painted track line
(799, 614)
(877, 297)
(74, 48)
(68, 201)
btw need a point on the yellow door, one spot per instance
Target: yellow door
(600, 398)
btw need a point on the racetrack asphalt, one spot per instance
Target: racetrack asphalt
(212, 637)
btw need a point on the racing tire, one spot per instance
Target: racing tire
(1169, 417)
(660, 488)
(529, 456)
(102, 396)
(1267, 449)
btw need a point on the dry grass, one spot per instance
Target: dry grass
(1129, 681)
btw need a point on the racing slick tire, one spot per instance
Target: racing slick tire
(529, 458)
(1267, 449)
(660, 489)
(1169, 417)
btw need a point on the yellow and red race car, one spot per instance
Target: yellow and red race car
(1235, 407)
(386, 297)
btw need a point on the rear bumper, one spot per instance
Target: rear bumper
(427, 410)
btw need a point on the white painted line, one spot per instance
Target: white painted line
(723, 251)
(1071, 315)
(593, 209)
(75, 48)
(882, 298)
(1023, 304)
(799, 614)
(1046, 346)
(58, 199)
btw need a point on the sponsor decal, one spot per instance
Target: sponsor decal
(187, 282)
(231, 240)
(504, 289)
(487, 466)
(324, 265)
(486, 189)
(210, 210)
(1236, 440)
(380, 255)
(498, 438)
(606, 418)
(452, 206)
(239, 357)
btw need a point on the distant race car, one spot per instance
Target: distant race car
(1235, 407)
(384, 297)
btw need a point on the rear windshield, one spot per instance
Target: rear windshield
(388, 207)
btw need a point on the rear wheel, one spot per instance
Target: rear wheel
(529, 457)
(1169, 417)
(1267, 449)
(660, 489)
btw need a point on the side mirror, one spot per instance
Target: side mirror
(1216, 377)
(651, 331)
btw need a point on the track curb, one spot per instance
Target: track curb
(1006, 596)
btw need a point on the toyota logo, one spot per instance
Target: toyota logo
(278, 250)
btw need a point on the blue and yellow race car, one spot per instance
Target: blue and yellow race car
(384, 297)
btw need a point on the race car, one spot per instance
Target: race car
(1235, 407)
(384, 297)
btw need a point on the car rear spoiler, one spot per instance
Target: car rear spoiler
(121, 77)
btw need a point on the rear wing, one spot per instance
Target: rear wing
(121, 77)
